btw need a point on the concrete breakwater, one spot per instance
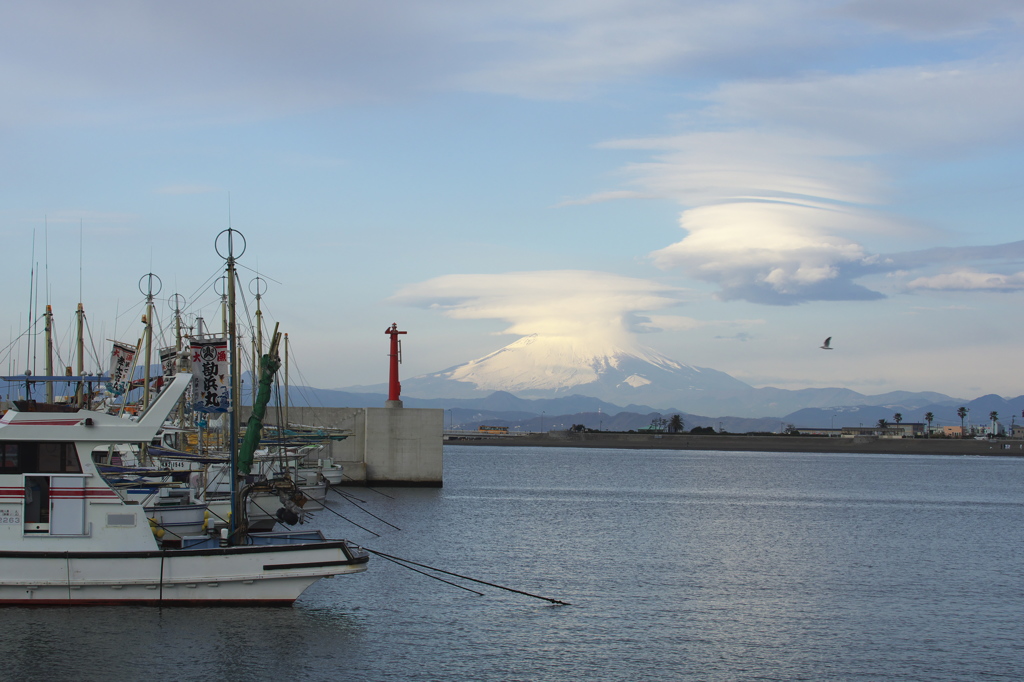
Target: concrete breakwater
(752, 443)
(376, 445)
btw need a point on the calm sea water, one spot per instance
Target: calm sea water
(678, 565)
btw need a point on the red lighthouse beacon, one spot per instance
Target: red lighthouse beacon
(394, 386)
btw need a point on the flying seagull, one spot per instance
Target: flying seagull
(826, 345)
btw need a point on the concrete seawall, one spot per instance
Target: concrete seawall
(754, 443)
(384, 445)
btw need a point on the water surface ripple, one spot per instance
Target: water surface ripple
(679, 566)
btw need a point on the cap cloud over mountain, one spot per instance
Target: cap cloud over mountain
(548, 366)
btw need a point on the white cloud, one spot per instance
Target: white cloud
(770, 253)
(603, 308)
(783, 196)
(679, 323)
(746, 163)
(970, 280)
(776, 217)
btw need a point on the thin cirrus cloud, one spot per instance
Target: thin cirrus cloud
(935, 18)
(266, 59)
(935, 110)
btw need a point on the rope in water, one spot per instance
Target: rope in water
(465, 577)
(348, 498)
(447, 582)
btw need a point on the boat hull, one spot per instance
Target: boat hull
(238, 575)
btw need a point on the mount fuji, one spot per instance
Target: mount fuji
(625, 374)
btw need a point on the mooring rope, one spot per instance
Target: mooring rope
(466, 577)
(447, 582)
(363, 485)
(376, 535)
(366, 511)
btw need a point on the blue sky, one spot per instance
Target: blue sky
(725, 182)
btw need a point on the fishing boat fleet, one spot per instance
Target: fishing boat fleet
(95, 508)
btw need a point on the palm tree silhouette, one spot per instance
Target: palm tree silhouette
(962, 413)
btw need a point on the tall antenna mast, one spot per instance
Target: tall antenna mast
(46, 259)
(31, 318)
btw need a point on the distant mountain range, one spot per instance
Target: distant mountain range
(548, 383)
(624, 374)
(523, 414)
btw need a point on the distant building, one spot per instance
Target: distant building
(893, 430)
(831, 433)
(953, 431)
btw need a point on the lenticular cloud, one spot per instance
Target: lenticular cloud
(774, 253)
(604, 309)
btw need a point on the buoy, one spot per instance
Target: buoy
(157, 530)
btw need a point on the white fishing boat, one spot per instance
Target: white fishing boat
(68, 538)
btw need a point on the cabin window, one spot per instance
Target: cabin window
(39, 458)
(9, 458)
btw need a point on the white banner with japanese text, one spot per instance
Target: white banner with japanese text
(211, 384)
(121, 358)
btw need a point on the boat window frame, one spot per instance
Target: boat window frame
(28, 457)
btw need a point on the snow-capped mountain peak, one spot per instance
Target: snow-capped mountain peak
(541, 365)
(552, 363)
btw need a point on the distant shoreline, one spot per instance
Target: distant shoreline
(753, 443)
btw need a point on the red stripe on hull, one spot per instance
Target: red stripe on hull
(70, 494)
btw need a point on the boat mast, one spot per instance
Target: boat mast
(176, 302)
(31, 340)
(285, 381)
(80, 318)
(48, 360)
(223, 306)
(147, 321)
(229, 256)
(257, 287)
